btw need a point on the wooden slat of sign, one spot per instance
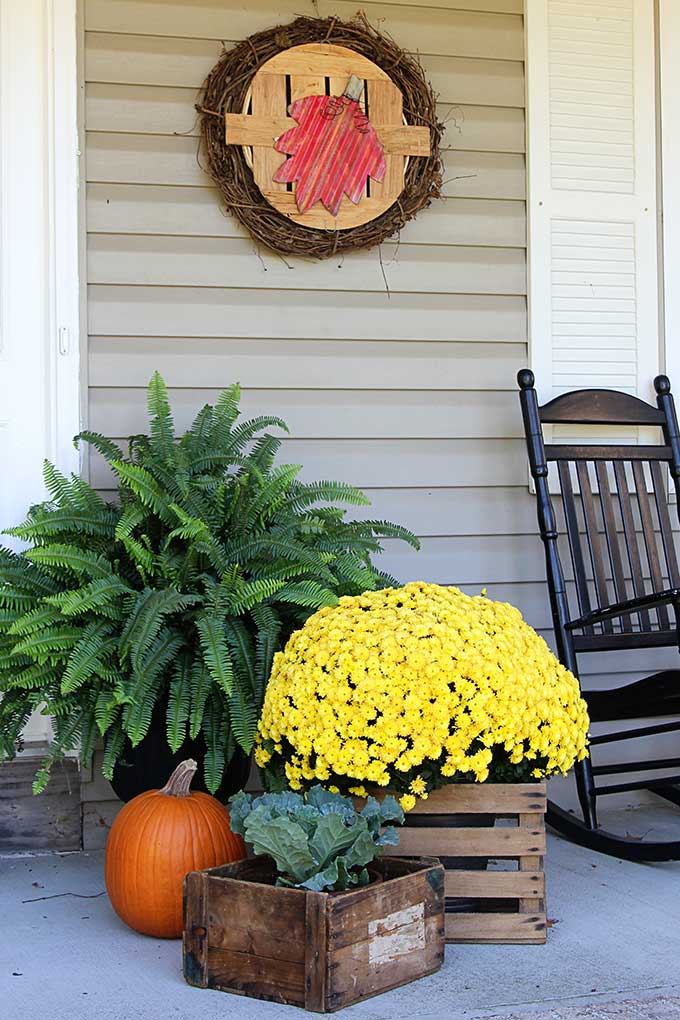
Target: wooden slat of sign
(485, 798)
(505, 928)
(310, 84)
(268, 100)
(245, 129)
(319, 217)
(338, 84)
(338, 62)
(483, 842)
(528, 885)
(386, 106)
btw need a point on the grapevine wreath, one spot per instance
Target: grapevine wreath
(226, 99)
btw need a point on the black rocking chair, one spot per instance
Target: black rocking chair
(625, 574)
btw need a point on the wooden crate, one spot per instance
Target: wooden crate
(486, 904)
(51, 821)
(322, 951)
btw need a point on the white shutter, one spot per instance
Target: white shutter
(593, 286)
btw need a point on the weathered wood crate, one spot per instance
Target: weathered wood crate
(460, 825)
(322, 951)
(51, 821)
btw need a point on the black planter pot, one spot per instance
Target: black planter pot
(148, 765)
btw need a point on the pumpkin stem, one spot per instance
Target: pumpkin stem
(179, 783)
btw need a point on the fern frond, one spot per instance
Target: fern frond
(201, 686)
(307, 494)
(46, 523)
(106, 710)
(70, 558)
(87, 656)
(131, 518)
(267, 640)
(179, 703)
(144, 690)
(91, 597)
(161, 425)
(215, 651)
(144, 486)
(114, 744)
(108, 449)
(53, 643)
(243, 717)
(213, 763)
(242, 650)
(307, 593)
(147, 616)
(384, 529)
(34, 621)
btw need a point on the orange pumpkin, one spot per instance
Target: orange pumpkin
(155, 840)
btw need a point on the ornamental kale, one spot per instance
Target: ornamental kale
(318, 841)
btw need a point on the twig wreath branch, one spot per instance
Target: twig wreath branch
(224, 91)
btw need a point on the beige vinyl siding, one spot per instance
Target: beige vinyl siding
(395, 370)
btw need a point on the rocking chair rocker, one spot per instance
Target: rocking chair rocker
(627, 583)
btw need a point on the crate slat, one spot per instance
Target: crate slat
(463, 842)
(485, 798)
(496, 927)
(495, 884)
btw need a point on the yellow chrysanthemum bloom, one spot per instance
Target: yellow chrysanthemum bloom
(415, 687)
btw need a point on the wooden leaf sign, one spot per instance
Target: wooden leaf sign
(334, 150)
(332, 196)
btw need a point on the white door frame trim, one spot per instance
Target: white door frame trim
(39, 240)
(40, 311)
(669, 80)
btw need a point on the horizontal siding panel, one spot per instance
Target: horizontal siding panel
(215, 262)
(138, 109)
(159, 159)
(466, 560)
(466, 463)
(467, 511)
(184, 63)
(305, 364)
(330, 414)
(158, 209)
(205, 312)
(465, 33)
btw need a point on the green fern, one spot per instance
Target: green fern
(181, 593)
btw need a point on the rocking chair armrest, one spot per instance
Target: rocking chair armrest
(661, 598)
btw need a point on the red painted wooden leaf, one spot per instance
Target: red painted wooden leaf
(333, 151)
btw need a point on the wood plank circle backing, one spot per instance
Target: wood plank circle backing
(302, 71)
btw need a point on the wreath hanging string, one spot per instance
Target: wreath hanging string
(224, 91)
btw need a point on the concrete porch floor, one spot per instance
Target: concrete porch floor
(613, 952)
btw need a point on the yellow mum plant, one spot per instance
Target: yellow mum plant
(414, 688)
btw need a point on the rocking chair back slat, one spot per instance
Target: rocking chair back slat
(649, 537)
(661, 501)
(593, 539)
(631, 540)
(574, 538)
(612, 538)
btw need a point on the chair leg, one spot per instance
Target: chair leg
(585, 788)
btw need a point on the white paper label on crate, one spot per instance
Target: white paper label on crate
(397, 934)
